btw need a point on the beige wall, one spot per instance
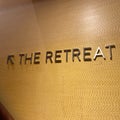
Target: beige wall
(65, 91)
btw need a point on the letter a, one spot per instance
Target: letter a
(99, 53)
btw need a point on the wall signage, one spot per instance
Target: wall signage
(76, 54)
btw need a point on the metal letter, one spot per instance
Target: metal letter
(99, 53)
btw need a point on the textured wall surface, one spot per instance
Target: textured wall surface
(60, 91)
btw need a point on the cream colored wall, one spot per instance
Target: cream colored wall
(65, 91)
